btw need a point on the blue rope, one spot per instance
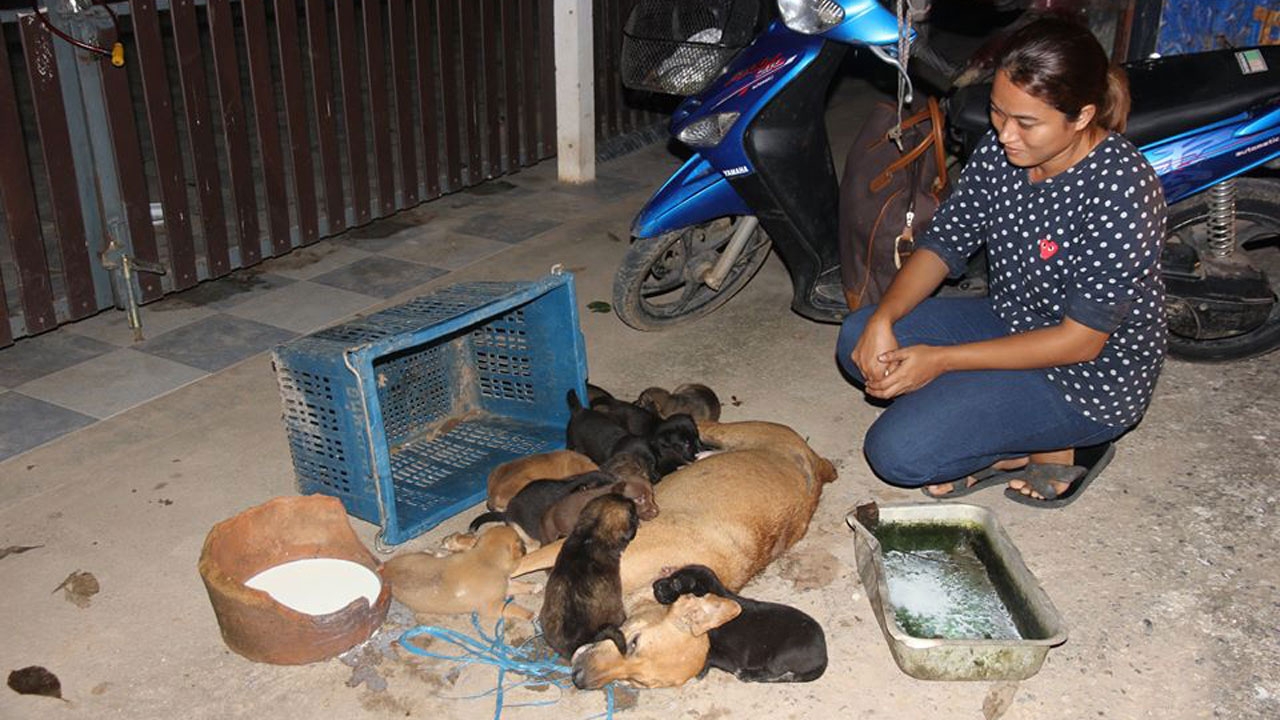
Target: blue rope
(493, 650)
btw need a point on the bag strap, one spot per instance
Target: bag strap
(934, 114)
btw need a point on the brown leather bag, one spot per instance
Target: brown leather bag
(881, 187)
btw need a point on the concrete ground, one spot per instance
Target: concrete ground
(1165, 571)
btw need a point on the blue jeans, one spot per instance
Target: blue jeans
(963, 421)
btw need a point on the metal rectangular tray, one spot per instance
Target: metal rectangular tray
(962, 659)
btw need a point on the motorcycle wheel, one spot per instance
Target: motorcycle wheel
(1258, 236)
(659, 283)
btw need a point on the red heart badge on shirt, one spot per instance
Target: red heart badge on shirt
(1047, 248)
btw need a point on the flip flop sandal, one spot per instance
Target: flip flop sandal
(1041, 477)
(982, 479)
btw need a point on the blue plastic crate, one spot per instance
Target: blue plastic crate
(402, 414)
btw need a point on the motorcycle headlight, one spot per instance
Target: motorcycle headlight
(707, 131)
(810, 17)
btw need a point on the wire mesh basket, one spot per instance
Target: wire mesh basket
(678, 47)
(402, 414)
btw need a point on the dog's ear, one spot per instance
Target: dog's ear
(698, 615)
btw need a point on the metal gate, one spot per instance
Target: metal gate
(236, 131)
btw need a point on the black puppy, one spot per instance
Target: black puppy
(583, 600)
(526, 508)
(591, 432)
(767, 642)
(675, 442)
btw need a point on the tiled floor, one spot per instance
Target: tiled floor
(64, 380)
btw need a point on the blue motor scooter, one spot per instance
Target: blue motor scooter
(761, 174)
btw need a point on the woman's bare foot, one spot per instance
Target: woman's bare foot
(1057, 457)
(945, 489)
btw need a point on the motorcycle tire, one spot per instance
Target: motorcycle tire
(659, 282)
(1258, 230)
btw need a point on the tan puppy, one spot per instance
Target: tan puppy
(510, 477)
(693, 399)
(476, 579)
(735, 512)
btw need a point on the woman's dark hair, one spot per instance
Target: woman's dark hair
(1061, 62)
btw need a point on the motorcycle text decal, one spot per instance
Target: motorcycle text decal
(755, 75)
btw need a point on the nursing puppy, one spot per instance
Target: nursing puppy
(525, 510)
(473, 580)
(591, 432)
(675, 443)
(694, 399)
(510, 477)
(766, 642)
(583, 599)
(562, 517)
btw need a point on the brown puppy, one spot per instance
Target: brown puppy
(559, 520)
(510, 477)
(583, 600)
(477, 579)
(735, 512)
(694, 399)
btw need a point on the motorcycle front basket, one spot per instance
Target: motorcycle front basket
(678, 47)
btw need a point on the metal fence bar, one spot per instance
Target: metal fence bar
(491, 26)
(55, 143)
(424, 15)
(510, 12)
(267, 123)
(239, 166)
(326, 126)
(204, 153)
(546, 78)
(295, 112)
(19, 198)
(402, 74)
(352, 112)
(448, 36)
(529, 83)
(469, 70)
(150, 57)
(379, 105)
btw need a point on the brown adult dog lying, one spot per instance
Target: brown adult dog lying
(510, 477)
(735, 512)
(476, 579)
(583, 602)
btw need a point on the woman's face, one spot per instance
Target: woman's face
(1033, 133)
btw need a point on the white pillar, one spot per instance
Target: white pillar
(575, 92)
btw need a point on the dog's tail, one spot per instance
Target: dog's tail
(572, 398)
(495, 516)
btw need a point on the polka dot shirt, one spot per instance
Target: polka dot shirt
(1084, 244)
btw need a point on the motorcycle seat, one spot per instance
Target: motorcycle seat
(1171, 95)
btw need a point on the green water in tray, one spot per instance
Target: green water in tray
(941, 582)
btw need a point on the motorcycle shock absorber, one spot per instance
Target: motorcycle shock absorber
(1222, 218)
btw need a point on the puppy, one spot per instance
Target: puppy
(633, 457)
(633, 418)
(473, 580)
(510, 477)
(526, 509)
(766, 642)
(562, 517)
(583, 599)
(591, 432)
(694, 399)
(675, 442)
